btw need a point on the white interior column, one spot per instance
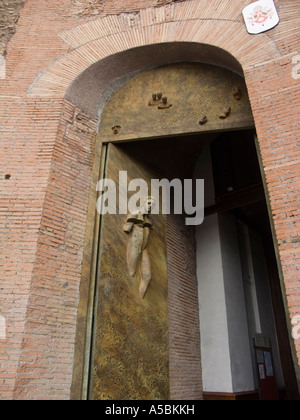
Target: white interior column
(225, 346)
(215, 352)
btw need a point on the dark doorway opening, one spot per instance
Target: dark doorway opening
(239, 192)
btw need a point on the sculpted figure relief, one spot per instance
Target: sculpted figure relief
(138, 225)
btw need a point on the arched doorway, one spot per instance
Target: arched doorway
(143, 342)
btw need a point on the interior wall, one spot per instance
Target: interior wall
(264, 300)
(239, 344)
(215, 355)
(225, 347)
(234, 296)
(184, 329)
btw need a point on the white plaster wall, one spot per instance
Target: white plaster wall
(234, 296)
(239, 344)
(264, 300)
(225, 347)
(216, 363)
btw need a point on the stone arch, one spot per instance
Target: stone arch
(92, 88)
(102, 43)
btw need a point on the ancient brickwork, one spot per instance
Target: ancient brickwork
(9, 16)
(83, 8)
(185, 361)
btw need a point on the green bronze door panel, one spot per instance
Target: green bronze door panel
(130, 354)
(183, 98)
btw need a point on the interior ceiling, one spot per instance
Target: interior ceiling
(171, 157)
(176, 158)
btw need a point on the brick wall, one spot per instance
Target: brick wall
(185, 359)
(83, 8)
(25, 157)
(47, 152)
(49, 332)
(41, 248)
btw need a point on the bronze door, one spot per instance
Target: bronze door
(130, 356)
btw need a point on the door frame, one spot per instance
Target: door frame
(90, 268)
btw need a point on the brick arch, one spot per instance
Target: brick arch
(186, 22)
(91, 90)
